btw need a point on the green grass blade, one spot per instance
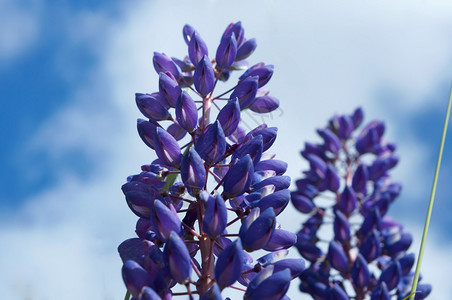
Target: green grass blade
(432, 197)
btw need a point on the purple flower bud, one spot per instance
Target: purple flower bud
(169, 88)
(302, 203)
(246, 91)
(252, 148)
(146, 130)
(345, 127)
(167, 148)
(273, 287)
(341, 227)
(295, 266)
(406, 263)
(229, 117)
(369, 138)
(163, 63)
(391, 275)
(268, 136)
(135, 277)
(255, 235)
(264, 72)
(331, 181)
(371, 221)
(380, 292)
(197, 48)
(246, 49)
(264, 104)
(214, 293)
(187, 33)
(398, 243)
(371, 248)
(229, 264)
(140, 203)
(277, 200)
(226, 51)
(238, 31)
(211, 145)
(135, 249)
(278, 166)
(193, 172)
(151, 107)
(238, 180)
(272, 257)
(360, 179)
(281, 239)
(332, 142)
(337, 257)
(239, 135)
(176, 131)
(360, 272)
(216, 216)
(423, 290)
(177, 258)
(318, 166)
(310, 148)
(186, 112)
(149, 294)
(184, 65)
(337, 293)
(142, 226)
(347, 201)
(309, 251)
(279, 182)
(204, 77)
(357, 117)
(164, 220)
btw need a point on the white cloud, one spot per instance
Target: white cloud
(19, 25)
(328, 59)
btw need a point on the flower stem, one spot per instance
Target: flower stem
(127, 297)
(432, 197)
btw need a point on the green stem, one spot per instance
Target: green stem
(432, 197)
(127, 297)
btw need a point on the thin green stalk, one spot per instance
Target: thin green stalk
(432, 197)
(127, 297)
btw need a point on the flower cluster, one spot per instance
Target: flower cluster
(192, 197)
(347, 192)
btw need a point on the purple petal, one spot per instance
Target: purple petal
(151, 107)
(278, 201)
(278, 166)
(360, 272)
(341, 227)
(331, 141)
(169, 88)
(238, 179)
(246, 49)
(264, 104)
(238, 31)
(149, 294)
(226, 51)
(347, 201)
(163, 63)
(302, 203)
(176, 131)
(187, 33)
(229, 117)
(253, 148)
(211, 145)
(371, 248)
(380, 292)
(177, 258)
(357, 117)
(186, 112)
(246, 91)
(216, 216)
(204, 77)
(197, 48)
(135, 277)
(167, 148)
(259, 232)
(274, 287)
(337, 257)
(281, 239)
(214, 293)
(164, 220)
(268, 136)
(147, 130)
(193, 172)
(229, 264)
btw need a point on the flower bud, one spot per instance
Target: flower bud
(264, 72)
(341, 227)
(371, 221)
(264, 104)
(268, 136)
(204, 77)
(309, 251)
(226, 51)
(337, 293)
(229, 117)
(169, 88)
(167, 148)
(360, 179)
(149, 294)
(246, 49)
(278, 166)
(135, 277)
(146, 130)
(337, 257)
(176, 131)
(163, 63)
(255, 236)
(238, 179)
(406, 263)
(281, 239)
(164, 220)
(135, 249)
(331, 141)
(193, 172)
(186, 112)
(229, 264)
(331, 181)
(277, 200)
(238, 31)
(214, 293)
(211, 145)
(253, 148)
(398, 243)
(246, 91)
(391, 275)
(317, 165)
(295, 266)
(273, 287)
(345, 127)
(197, 48)
(279, 182)
(151, 107)
(360, 272)
(380, 292)
(302, 203)
(187, 33)
(140, 203)
(177, 258)
(357, 117)
(347, 201)
(216, 216)
(371, 248)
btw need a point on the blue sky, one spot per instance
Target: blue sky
(67, 117)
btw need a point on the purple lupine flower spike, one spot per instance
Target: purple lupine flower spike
(193, 172)
(351, 167)
(186, 112)
(226, 52)
(185, 199)
(204, 77)
(229, 264)
(166, 148)
(177, 258)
